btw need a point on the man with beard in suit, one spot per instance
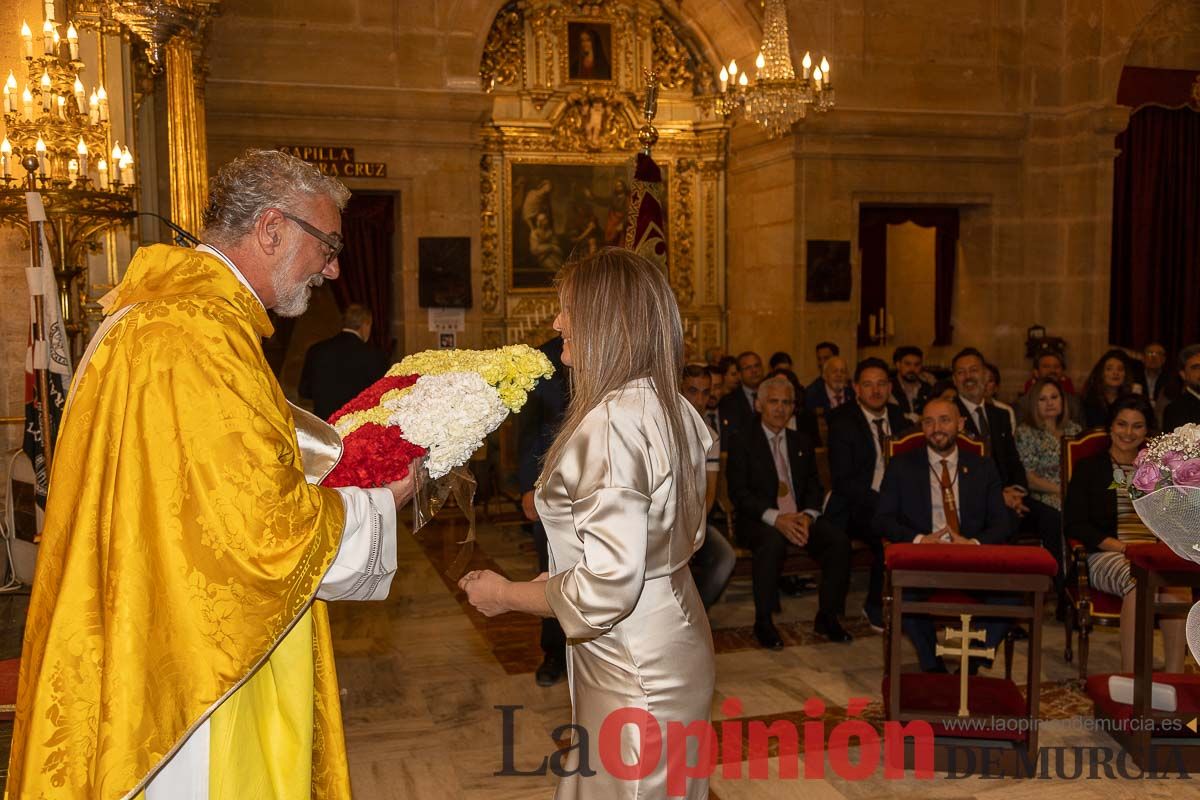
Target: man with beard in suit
(909, 389)
(859, 436)
(993, 426)
(942, 495)
(737, 408)
(337, 369)
(778, 498)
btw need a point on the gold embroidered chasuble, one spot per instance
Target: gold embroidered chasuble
(182, 543)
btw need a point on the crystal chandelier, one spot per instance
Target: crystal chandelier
(775, 98)
(56, 141)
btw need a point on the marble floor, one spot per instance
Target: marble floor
(422, 676)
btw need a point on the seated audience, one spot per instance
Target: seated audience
(909, 389)
(859, 436)
(1109, 380)
(833, 389)
(777, 495)
(1045, 420)
(1050, 364)
(713, 356)
(1150, 372)
(991, 385)
(803, 419)
(941, 494)
(711, 415)
(733, 377)
(780, 360)
(337, 369)
(1186, 407)
(825, 351)
(992, 427)
(1103, 519)
(713, 563)
(737, 407)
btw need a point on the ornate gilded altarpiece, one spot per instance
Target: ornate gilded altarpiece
(559, 149)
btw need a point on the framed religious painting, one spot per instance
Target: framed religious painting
(589, 51)
(828, 263)
(557, 210)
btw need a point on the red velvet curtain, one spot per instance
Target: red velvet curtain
(1155, 287)
(872, 241)
(368, 224)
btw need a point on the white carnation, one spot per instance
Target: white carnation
(449, 415)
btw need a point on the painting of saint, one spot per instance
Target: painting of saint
(560, 211)
(589, 45)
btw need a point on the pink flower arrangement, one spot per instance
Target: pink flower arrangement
(1172, 459)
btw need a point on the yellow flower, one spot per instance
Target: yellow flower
(512, 370)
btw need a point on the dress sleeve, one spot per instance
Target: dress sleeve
(608, 473)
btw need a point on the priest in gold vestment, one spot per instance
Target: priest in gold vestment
(177, 644)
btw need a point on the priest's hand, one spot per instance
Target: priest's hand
(486, 591)
(404, 489)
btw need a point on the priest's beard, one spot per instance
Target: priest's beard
(291, 299)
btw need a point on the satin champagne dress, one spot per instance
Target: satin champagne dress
(638, 636)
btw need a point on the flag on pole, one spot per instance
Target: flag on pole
(47, 360)
(645, 229)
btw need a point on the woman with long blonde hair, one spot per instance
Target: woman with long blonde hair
(622, 497)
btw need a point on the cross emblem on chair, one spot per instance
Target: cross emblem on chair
(964, 652)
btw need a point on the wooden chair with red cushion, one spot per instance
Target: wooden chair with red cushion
(1153, 737)
(1002, 718)
(1086, 606)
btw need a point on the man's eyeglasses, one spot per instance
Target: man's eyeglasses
(332, 241)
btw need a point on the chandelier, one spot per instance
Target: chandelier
(774, 98)
(57, 141)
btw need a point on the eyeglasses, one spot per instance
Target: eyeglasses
(333, 241)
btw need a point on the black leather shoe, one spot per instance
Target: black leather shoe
(827, 625)
(550, 672)
(794, 585)
(767, 636)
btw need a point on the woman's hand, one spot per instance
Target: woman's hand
(486, 591)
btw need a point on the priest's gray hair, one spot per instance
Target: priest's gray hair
(257, 180)
(778, 380)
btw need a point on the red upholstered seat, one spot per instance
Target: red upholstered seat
(991, 559)
(1159, 558)
(1104, 605)
(986, 697)
(9, 669)
(1187, 693)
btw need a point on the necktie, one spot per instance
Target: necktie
(787, 501)
(948, 505)
(882, 437)
(985, 432)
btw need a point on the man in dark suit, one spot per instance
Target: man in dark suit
(537, 425)
(737, 407)
(1186, 407)
(778, 498)
(832, 390)
(859, 435)
(941, 494)
(337, 369)
(909, 390)
(993, 426)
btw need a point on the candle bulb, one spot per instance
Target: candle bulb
(93, 108)
(48, 38)
(102, 169)
(49, 5)
(743, 80)
(5, 158)
(72, 170)
(46, 93)
(126, 167)
(57, 40)
(732, 67)
(80, 101)
(27, 102)
(825, 71)
(40, 148)
(10, 89)
(806, 63)
(73, 41)
(817, 76)
(27, 38)
(81, 150)
(62, 106)
(102, 103)
(724, 78)
(760, 62)
(116, 164)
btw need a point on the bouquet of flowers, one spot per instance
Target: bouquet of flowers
(434, 409)
(439, 404)
(1165, 489)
